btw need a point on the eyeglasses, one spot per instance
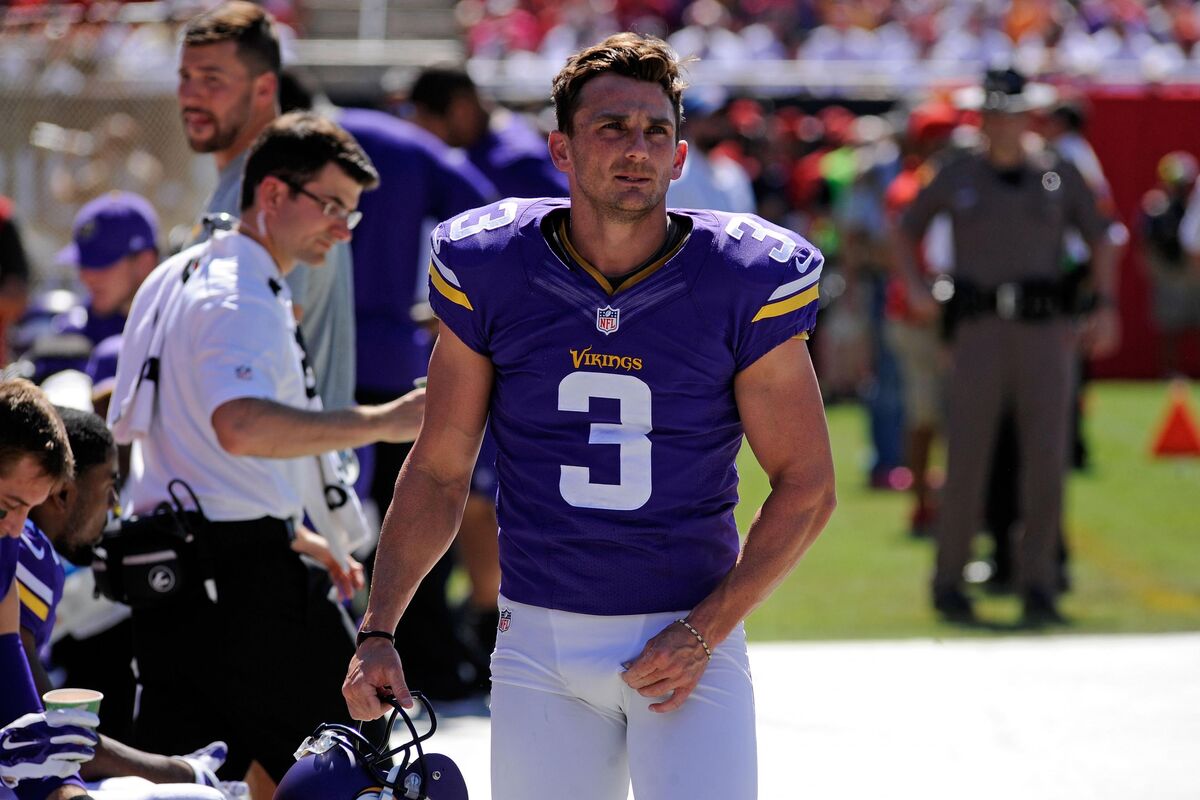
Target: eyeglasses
(330, 208)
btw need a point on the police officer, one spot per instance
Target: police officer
(1014, 332)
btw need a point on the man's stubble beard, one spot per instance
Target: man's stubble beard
(81, 555)
(611, 210)
(223, 137)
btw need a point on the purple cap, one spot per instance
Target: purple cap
(107, 229)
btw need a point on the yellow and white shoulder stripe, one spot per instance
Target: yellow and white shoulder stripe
(446, 282)
(793, 294)
(35, 595)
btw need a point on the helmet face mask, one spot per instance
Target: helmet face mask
(338, 763)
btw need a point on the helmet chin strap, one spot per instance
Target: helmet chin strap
(387, 794)
(412, 787)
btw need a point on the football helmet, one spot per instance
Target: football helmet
(338, 763)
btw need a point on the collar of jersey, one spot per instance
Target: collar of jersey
(599, 276)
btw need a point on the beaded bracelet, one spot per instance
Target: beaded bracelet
(699, 637)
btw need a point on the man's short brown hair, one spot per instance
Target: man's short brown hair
(632, 55)
(246, 24)
(296, 146)
(29, 426)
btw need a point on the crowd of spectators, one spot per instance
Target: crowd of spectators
(1106, 38)
(55, 48)
(1086, 37)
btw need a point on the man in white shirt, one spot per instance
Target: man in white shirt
(227, 91)
(235, 415)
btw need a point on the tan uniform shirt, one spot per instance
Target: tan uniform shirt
(1007, 226)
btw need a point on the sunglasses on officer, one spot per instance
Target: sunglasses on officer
(330, 208)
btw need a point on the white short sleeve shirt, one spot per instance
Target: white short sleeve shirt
(231, 335)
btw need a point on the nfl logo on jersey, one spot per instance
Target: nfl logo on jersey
(608, 319)
(505, 620)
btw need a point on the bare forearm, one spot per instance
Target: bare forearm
(41, 680)
(266, 429)
(114, 759)
(417, 530)
(785, 527)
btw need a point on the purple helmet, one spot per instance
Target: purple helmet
(338, 763)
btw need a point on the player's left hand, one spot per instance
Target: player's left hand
(204, 763)
(48, 744)
(670, 664)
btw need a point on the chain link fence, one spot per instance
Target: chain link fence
(87, 106)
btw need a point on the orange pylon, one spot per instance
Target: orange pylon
(1179, 435)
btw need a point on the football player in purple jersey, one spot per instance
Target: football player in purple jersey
(621, 351)
(42, 749)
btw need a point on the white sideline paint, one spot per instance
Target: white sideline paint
(1036, 718)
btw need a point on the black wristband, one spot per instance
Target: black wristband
(364, 635)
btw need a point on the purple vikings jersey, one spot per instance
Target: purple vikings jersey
(9, 549)
(613, 412)
(40, 578)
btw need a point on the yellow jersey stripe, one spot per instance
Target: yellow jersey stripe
(32, 602)
(601, 278)
(784, 306)
(448, 291)
(33, 583)
(596, 274)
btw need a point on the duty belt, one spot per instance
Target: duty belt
(1019, 300)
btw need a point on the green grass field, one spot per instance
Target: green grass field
(1133, 523)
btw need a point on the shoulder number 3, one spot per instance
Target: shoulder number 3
(575, 393)
(761, 233)
(505, 214)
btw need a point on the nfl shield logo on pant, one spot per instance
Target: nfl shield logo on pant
(608, 319)
(505, 620)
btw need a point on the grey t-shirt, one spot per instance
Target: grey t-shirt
(324, 294)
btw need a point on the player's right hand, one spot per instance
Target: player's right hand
(50, 744)
(375, 673)
(403, 417)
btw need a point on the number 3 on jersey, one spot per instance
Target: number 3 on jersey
(781, 253)
(575, 393)
(459, 229)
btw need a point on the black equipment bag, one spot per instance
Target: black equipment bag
(156, 558)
